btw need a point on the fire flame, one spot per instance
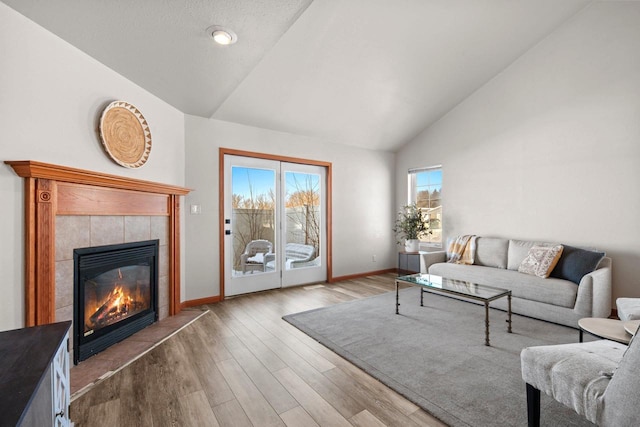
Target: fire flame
(123, 301)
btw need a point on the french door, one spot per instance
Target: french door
(275, 224)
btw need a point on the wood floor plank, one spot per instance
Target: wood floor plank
(268, 358)
(319, 409)
(366, 419)
(358, 376)
(299, 347)
(166, 413)
(298, 417)
(259, 411)
(135, 407)
(173, 377)
(203, 364)
(269, 386)
(108, 412)
(423, 418)
(197, 411)
(383, 409)
(231, 414)
(340, 400)
(346, 291)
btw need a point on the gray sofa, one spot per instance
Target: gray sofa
(554, 299)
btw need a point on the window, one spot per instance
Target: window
(425, 189)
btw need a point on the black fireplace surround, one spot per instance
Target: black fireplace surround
(115, 294)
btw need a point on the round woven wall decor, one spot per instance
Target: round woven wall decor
(125, 134)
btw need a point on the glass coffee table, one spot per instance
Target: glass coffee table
(459, 288)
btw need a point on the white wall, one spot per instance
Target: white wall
(51, 97)
(362, 188)
(550, 148)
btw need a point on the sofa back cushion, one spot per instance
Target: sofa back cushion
(518, 251)
(491, 252)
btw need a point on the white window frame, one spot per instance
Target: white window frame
(412, 197)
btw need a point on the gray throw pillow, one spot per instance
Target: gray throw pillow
(575, 263)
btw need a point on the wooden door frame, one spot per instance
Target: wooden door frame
(221, 184)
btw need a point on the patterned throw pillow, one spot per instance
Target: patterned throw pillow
(541, 260)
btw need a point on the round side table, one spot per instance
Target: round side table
(631, 326)
(609, 329)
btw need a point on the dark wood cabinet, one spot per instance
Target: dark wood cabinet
(34, 376)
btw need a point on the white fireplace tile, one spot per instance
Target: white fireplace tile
(107, 230)
(160, 229)
(137, 228)
(64, 283)
(71, 232)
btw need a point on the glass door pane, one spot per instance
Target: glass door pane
(252, 225)
(304, 227)
(303, 219)
(253, 220)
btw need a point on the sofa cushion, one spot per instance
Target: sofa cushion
(549, 291)
(492, 252)
(518, 251)
(540, 260)
(575, 263)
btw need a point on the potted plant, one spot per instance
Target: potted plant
(411, 224)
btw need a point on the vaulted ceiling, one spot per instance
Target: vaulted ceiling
(369, 73)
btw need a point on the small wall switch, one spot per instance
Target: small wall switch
(373, 258)
(196, 209)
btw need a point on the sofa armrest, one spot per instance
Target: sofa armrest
(594, 293)
(429, 258)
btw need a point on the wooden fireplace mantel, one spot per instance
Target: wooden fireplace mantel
(52, 189)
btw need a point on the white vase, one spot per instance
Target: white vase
(412, 245)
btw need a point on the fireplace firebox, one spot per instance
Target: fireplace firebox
(115, 294)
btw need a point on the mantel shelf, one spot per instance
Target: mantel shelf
(33, 169)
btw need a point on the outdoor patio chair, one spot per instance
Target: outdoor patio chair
(254, 257)
(298, 255)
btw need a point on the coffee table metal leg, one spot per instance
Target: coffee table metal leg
(486, 323)
(397, 300)
(509, 312)
(421, 299)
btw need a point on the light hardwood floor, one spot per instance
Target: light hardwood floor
(242, 365)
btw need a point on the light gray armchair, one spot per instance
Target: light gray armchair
(598, 380)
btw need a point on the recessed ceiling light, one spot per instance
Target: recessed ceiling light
(222, 35)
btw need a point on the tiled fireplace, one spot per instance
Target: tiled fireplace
(67, 208)
(81, 244)
(75, 231)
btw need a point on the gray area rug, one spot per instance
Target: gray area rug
(435, 355)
